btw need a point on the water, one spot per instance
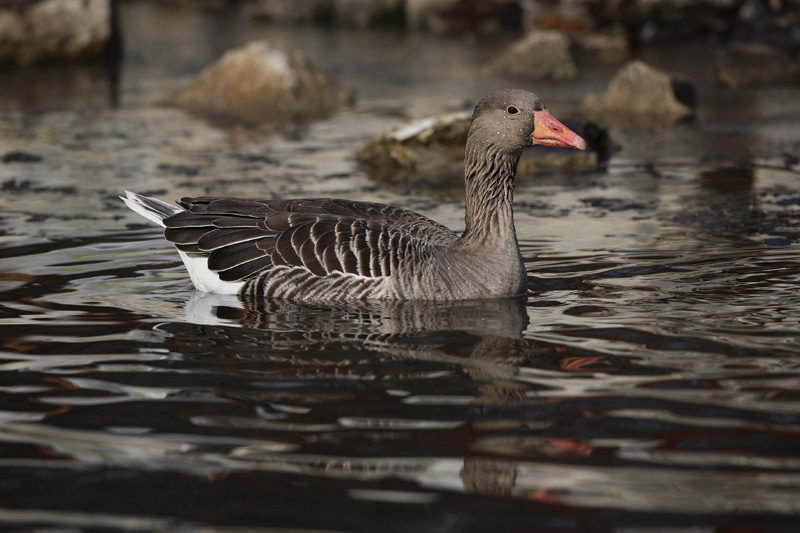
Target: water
(650, 379)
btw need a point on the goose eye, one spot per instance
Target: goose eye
(512, 110)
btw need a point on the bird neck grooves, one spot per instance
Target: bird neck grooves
(489, 176)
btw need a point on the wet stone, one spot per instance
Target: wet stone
(432, 150)
(260, 83)
(457, 16)
(641, 96)
(607, 46)
(541, 54)
(350, 13)
(48, 30)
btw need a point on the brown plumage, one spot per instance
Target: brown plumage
(333, 249)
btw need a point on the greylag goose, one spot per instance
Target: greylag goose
(327, 249)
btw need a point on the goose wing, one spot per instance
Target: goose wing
(243, 237)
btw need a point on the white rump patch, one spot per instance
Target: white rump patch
(207, 280)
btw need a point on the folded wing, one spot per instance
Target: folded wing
(243, 239)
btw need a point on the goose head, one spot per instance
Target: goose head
(512, 120)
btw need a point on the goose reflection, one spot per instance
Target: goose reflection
(363, 343)
(483, 336)
(290, 340)
(501, 318)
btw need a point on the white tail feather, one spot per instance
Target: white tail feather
(149, 208)
(203, 279)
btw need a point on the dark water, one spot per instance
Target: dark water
(651, 379)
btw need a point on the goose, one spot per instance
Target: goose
(327, 249)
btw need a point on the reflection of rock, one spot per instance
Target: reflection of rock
(432, 150)
(54, 29)
(726, 206)
(260, 83)
(747, 64)
(640, 95)
(538, 55)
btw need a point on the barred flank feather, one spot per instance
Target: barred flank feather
(332, 249)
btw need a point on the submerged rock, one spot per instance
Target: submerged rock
(539, 54)
(431, 151)
(43, 30)
(260, 83)
(640, 95)
(749, 64)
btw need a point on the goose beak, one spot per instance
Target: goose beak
(550, 132)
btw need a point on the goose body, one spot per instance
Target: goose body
(327, 249)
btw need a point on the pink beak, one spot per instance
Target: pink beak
(550, 132)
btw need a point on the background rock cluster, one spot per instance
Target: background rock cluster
(756, 42)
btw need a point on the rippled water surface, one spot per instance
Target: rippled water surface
(652, 377)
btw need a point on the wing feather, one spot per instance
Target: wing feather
(246, 270)
(231, 256)
(243, 237)
(221, 237)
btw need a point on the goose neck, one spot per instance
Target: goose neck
(489, 176)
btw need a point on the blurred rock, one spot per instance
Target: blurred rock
(41, 30)
(370, 13)
(293, 12)
(258, 82)
(459, 16)
(749, 64)
(608, 46)
(430, 151)
(539, 54)
(638, 96)
(354, 13)
(567, 15)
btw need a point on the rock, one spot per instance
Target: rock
(432, 147)
(640, 95)
(570, 16)
(42, 30)
(539, 54)
(430, 151)
(353, 13)
(292, 11)
(608, 46)
(369, 13)
(260, 83)
(749, 64)
(458, 16)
